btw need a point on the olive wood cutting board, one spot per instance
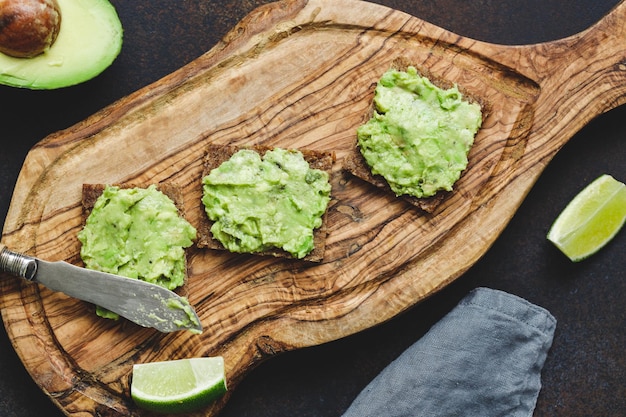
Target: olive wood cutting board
(296, 74)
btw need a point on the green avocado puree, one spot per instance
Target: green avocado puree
(137, 233)
(419, 136)
(188, 322)
(259, 203)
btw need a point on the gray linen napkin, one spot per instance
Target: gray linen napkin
(483, 359)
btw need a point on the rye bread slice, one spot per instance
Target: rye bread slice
(355, 163)
(216, 155)
(91, 193)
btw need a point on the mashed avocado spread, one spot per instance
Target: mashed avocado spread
(137, 233)
(419, 136)
(191, 320)
(260, 203)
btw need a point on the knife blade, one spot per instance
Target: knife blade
(143, 303)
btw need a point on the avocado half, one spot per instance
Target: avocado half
(89, 40)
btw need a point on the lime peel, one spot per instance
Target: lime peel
(178, 386)
(591, 219)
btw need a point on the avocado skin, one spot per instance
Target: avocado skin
(89, 40)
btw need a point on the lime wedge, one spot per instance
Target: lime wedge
(591, 219)
(178, 386)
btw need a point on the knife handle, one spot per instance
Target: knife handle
(17, 264)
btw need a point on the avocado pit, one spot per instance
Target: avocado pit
(28, 27)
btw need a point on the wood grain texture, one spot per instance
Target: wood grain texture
(293, 74)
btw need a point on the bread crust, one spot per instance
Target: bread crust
(217, 154)
(91, 193)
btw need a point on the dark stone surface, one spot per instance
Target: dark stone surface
(585, 373)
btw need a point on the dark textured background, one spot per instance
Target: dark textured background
(585, 373)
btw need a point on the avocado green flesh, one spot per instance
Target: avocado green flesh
(420, 135)
(89, 40)
(191, 320)
(137, 233)
(261, 203)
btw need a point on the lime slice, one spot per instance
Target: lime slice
(591, 219)
(178, 386)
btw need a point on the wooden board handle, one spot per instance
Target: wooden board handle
(580, 77)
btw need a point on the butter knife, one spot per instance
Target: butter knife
(143, 303)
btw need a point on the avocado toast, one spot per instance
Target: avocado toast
(418, 136)
(137, 232)
(319, 166)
